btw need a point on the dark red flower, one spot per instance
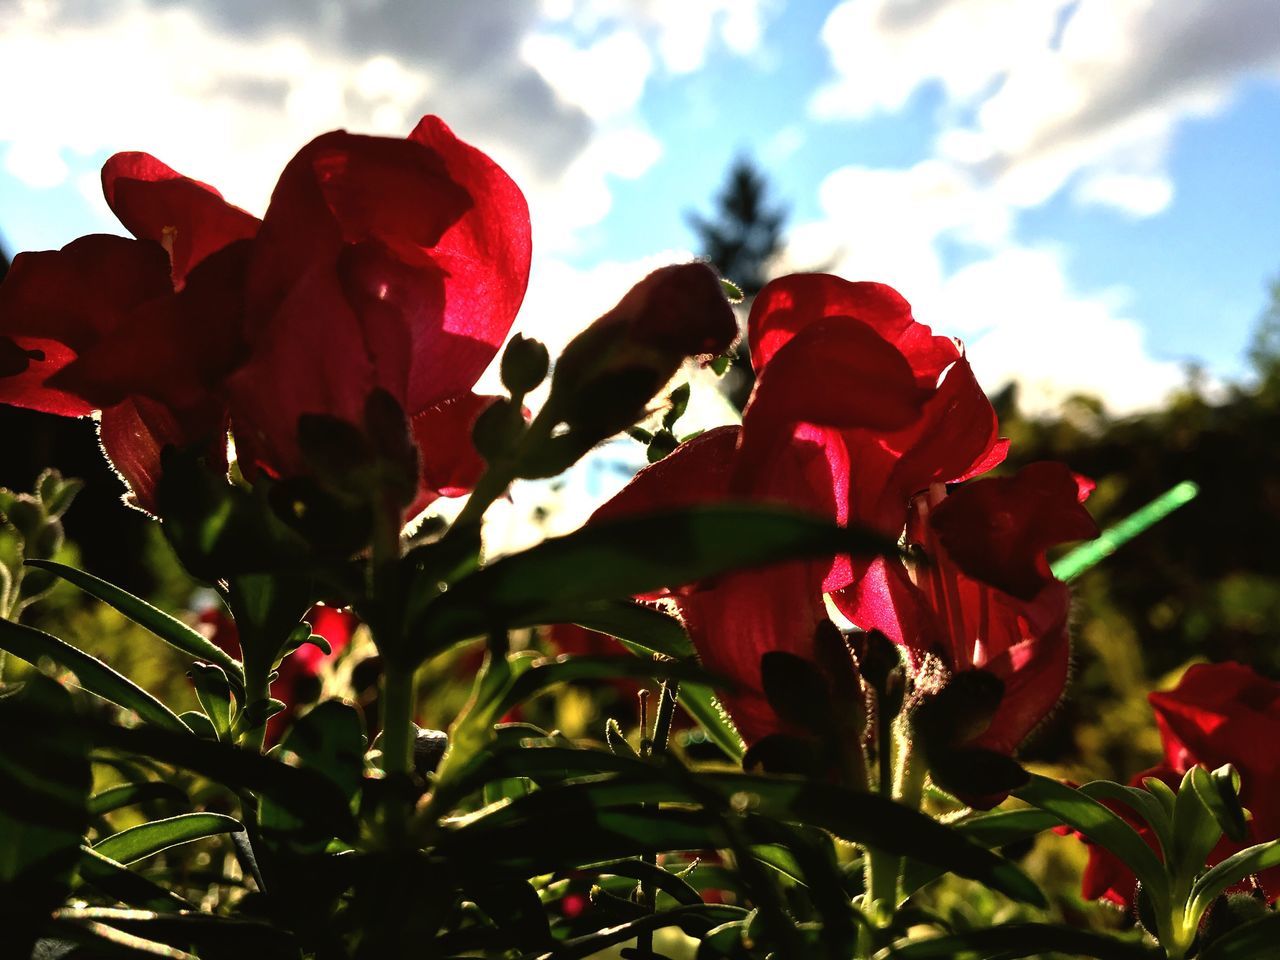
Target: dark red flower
(1218, 713)
(381, 263)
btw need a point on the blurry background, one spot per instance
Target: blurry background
(1086, 191)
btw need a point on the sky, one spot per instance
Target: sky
(1087, 192)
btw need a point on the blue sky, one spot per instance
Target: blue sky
(1086, 191)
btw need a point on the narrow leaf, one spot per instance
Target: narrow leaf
(1013, 940)
(623, 558)
(169, 629)
(1100, 825)
(146, 839)
(118, 881)
(1255, 859)
(95, 676)
(127, 794)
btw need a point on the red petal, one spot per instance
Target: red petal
(450, 465)
(955, 437)
(312, 358)
(189, 218)
(485, 256)
(787, 305)
(134, 432)
(697, 472)
(63, 302)
(884, 598)
(737, 618)
(342, 188)
(1029, 648)
(997, 529)
(176, 349)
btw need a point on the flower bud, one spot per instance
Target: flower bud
(612, 369)
(524, 365)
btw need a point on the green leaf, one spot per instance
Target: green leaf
(855, 817)
(328, 739)
(1195, 830)
(213, 690)
(127, 794)
(644, 629)
(1102, 826)
(693, 920)
(146, 839)
(643, 871)
(701, 703)
(1259, 857)
(118, 881)
(1012, 940)
(635, 625)
(991, 830)
(249, 938)
(42, 813)
(544, 674)
(95, 676)
(623, 558)
(1249, 941)
(1219, 791)
(304, 792)
(169, 629)
(1142, 802)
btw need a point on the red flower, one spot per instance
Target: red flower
(381, 263)
(821, 386)
(857, 411)
(984, 598)
(1218, 713)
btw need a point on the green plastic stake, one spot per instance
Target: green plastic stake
(1095, 551)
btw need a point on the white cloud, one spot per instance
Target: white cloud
(1014, 306)
(885, 224)
(604, 78)
(1039, 92)
(1135, 194)
(683, 32)
(1027, 325)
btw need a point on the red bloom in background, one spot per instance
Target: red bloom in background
(1218, 713)
(299, 672)
(381, 263)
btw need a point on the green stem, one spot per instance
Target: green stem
(884, 870)
(397, 720)
(257, 688)
(500, 472)
(656, 746)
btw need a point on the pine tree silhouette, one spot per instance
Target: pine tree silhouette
(740, 239)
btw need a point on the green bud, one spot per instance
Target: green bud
(26, 515)
(662, 444)
(56, 493)
(46, 543)
(498, 429)
(524, 365)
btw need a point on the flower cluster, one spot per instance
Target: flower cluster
(380, 264)
(861, 414)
